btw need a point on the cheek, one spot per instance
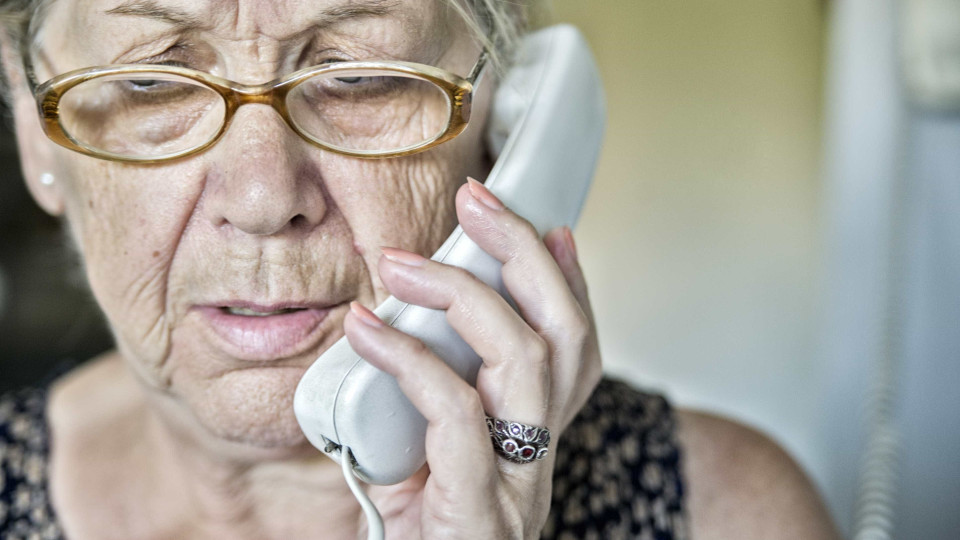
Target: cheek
(391, 124)
(406, 203)
(127, 224)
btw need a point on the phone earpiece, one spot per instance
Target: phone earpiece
(507, 109)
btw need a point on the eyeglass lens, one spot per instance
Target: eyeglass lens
(153, 115)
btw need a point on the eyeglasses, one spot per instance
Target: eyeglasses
(149, 113)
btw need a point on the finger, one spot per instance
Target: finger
(529, 272)
(458, 445)
(559, 242)
(514, 380)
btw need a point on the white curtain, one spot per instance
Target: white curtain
(892, 327)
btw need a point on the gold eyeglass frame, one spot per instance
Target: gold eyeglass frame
(459, 92)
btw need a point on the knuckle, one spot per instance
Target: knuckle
(466, 404)
(579, 326)
(464, 284)
(536, 349)
(465, 295)
(523, 232)
(573, 327)
(413, 347)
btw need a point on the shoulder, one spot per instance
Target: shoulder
(741, 484)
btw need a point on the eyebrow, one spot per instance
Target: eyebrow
(152, 10)
(182, 20)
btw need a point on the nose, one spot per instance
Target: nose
(261, 178)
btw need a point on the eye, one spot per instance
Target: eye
(153, 84)
(345, 80)
(150, 85)
(143, 84)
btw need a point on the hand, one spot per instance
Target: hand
(539, 368)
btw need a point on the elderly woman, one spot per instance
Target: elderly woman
(228, 254)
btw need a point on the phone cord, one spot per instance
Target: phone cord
(374, 521)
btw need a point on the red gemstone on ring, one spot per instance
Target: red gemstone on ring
(527, 452)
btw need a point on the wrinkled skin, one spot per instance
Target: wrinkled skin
(264, 217)
(260, 216)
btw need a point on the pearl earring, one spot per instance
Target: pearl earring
(46, 179)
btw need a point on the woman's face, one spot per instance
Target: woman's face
(225, 274)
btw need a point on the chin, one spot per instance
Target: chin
(250, 407)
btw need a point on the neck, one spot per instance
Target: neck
(238, 490)
(186, 482)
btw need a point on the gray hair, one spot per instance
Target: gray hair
(496, 24)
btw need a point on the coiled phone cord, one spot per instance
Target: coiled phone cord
(878, 483)
(374, 521)
(879, 475)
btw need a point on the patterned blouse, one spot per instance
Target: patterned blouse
(617, 470)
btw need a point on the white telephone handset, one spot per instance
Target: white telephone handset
(546, 130)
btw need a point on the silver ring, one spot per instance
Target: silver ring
(516, 442)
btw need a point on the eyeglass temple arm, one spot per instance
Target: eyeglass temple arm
(28, 71)
(478, 68)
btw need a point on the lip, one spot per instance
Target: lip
(271, 337)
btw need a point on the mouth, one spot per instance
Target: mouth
(247, 312)
(264, 333)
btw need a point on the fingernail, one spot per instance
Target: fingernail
(483, 194)
(403, 256)
(365, 315)
(568, 236)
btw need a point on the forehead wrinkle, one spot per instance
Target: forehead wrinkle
(246, 23)
(420, 24)
(243, 16)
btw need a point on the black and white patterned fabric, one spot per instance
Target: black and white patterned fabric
(617, 470)
(25, 511)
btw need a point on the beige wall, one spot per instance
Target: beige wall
(701, 236)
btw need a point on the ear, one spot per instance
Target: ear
(36, 150)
